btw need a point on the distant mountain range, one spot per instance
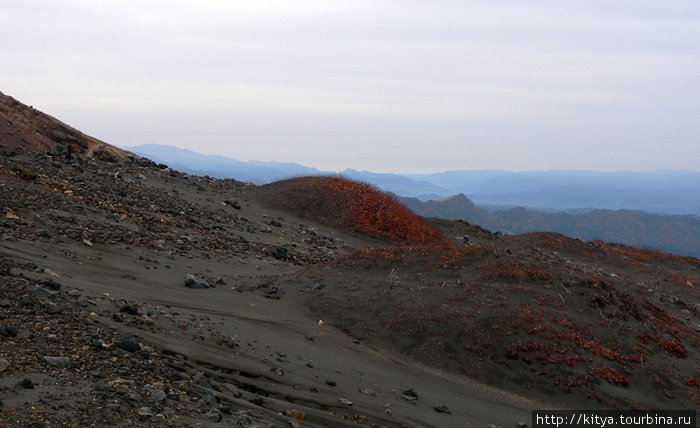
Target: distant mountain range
(654, 209)
(659, 192)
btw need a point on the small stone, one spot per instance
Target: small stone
(345, 402)
(128, 343)
(145, 411)
(52, 308)
(242, 421)
(98, 373)
(4, 364)
(522, 425)
(331, 383)
(38, 289)
(208, 400)
(128, 309)
(193, 282)
(296, 414)
(158, 396)
(442, 409)
(233, 390)
(410, 395)
(60, 362)
(257, 400)
(50, 283)
(214, 414)
(113, 406)
(7, 330)
(26, 383)
(280, 253)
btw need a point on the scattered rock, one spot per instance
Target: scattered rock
(345, 402)
(280, 253)
(208, 400)
(4, 364)
(242, 421)
(50, 283)
(60, 362)
(128, 343)
(193, 282)
(214, 414)
(145, 411)
(26, 383)
(41, 291)
(233, 204)
(410, 395)
(158, 396)
(128, 309)
(257, 400)
(7, 330)
(296, 414)
(331, 383)
(113, 406)
(442, 409)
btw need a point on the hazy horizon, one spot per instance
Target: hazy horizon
(410, 173)
(382, 86)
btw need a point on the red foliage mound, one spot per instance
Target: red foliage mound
(352, 205)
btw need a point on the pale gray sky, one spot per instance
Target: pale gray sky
(390, 86)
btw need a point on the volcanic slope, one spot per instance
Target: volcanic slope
(339, 321)
(605, 324)
(101, 323)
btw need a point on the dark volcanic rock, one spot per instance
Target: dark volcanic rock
(280, 253)
(158, 396)
(128, 309)
(208, 400)
(128, 343)
(7, 330)
(194, 282)
(60, 362)
(442, 409)
(26, 383)
(38, 289)
(50, 283)
(410, 395)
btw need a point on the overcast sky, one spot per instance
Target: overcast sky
(390, 86)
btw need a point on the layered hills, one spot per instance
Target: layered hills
(134, 293)
(633, 208)
(674, 234)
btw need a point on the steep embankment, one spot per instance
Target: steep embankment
(24, 127)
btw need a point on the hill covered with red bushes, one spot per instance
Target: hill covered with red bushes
(351, 205)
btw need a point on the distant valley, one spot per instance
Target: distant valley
(653, 209)
(673, 234)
